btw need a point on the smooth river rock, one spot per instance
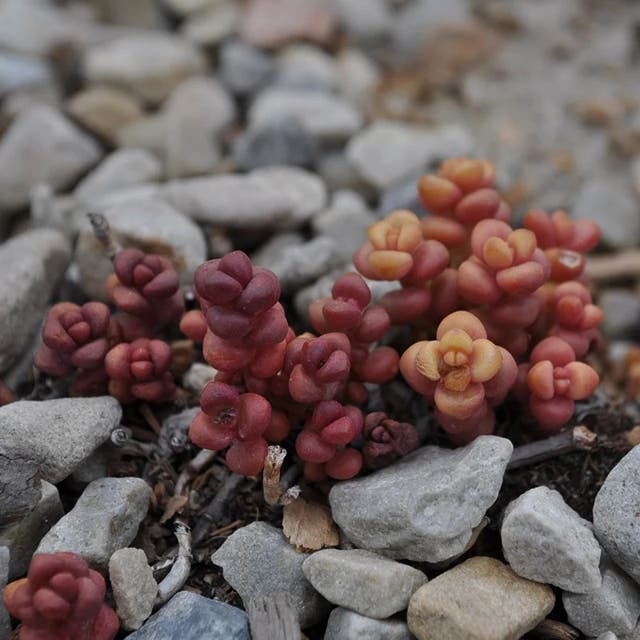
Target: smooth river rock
(363, 581)
(480, 599)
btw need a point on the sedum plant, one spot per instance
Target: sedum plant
(492, 311)
(61, 599)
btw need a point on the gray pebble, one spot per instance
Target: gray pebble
(545, 540)
(257, 560)
(149, 64)
(5, 621)
(295, 261)
(386, 152)
(616, 514)
(612, 205)
(349, 625)
(327, 117)
(622, 313)
(303, 66)
(615, 606)
(243, 68)
(134, 587)
(346, 222)
(425, 506)
(23, 537)
(48, 440)
(119, 170)
(279, 141)
(188, 616)
(105, 518)
(32, 265)
(41, 145)
(364, 582)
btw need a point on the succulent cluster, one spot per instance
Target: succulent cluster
(495, 301)
(61, 599)
(101, 351)
(492, 309)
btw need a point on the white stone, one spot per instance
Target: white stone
(119, 170)
(327, 117)
(149, 64)
(387, 151)
(134, 587)
(41, 145)
(364, 582)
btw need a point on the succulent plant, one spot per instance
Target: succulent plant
(146, 288)
(555, 380)
(322, 444)
(386, 440)
(76, 340)
(61, 599)
(140, 370)
(234, 420)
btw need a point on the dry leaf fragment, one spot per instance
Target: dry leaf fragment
(309, 526)
(174, 504)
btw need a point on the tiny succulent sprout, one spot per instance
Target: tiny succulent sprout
(461, 371)
(239, 421)
(575, 317)
(397, 251)
(75, 341)
(321, 444)
(317, 367)
(146, 287)
(194, 325)
(504, 262)
(61, 599)
(140, 370)
(555, 380)
(386, 440)
(563, 241)
(343, 310)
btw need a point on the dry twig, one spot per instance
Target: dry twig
(614, 266)
(102, 232)
(576, 439)
(214, 512)
(197, 464)
(273, 494)
(273, 618)
(175, 579)
(553, 630)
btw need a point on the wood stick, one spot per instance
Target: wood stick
(102, 232)
(201, 460)
(576, 439)
(273, 618)
(553, 630)
(175, 579)
(614, 266)
(214, 512)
